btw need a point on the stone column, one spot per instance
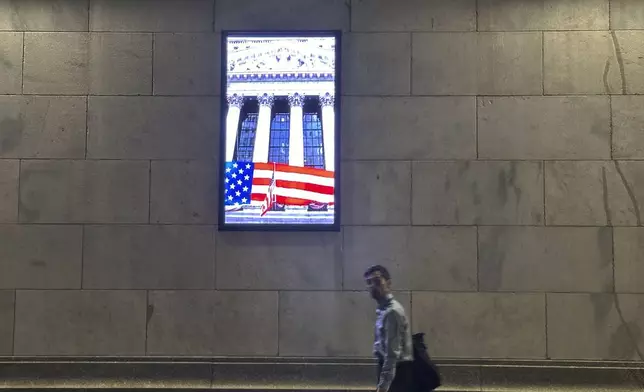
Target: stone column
(328, 130)
(296, 131)
(235, 103)
(263, 134)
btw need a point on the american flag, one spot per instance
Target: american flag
(248, 181)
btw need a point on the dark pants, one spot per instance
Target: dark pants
(403, 379)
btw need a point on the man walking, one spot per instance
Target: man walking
(392, 343)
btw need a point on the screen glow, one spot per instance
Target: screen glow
(280, 130)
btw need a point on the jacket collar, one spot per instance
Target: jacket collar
(382, 304)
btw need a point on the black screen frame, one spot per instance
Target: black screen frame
(335, 227)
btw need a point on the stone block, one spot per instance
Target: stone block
(509, 63)
(419, 258)
(272, 261)
(545, 259)
(149, 257)
(42, 127)
(476, 63)
(593, 62)
(409, 128)
(253, 331)
(56, 63)
(120, 64)
(187, 64)
(594, 193)
(413, 15)
(82, 323)
(481, 325)
(181, 323)
(626, 14)
(184, 192)
(629, 253)
(477, 192)
(9, 174)
(7, 302)
(147, 127)
(444, 63)
(595, 326)
(40, 257)
(578, 192)
(84, 191)
(376, 193)
(630, 57)
(44, 15)
(629, 259)
(11, 62)
(281, 15)
(628, 128)
(580, 63)
(151, 15)
(328, 324)
(504, 15)
(208, 323)
(544, 128)
(376, 64)
(628, 196)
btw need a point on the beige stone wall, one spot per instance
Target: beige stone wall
(492, 157)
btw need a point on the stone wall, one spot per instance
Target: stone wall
(492, 157)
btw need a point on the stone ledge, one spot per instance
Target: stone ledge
(310, 374)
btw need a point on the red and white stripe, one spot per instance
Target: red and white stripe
(294, 185)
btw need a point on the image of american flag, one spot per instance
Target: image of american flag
(247, 182)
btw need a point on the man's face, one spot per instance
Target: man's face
(377, 285)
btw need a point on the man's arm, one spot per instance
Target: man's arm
(392, 351)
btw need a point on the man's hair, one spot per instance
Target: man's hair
(378, 268)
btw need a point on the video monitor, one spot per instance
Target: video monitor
(279, 150)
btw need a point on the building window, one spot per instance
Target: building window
(279, 140)
(313, 143)
(246, 138)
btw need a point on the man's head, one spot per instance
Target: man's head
(378, 282)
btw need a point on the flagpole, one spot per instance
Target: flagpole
(274, 181)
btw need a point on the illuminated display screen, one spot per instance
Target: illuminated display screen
(280, 126)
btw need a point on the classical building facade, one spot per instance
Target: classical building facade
(280, 95)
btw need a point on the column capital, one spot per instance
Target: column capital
(266, 99)
(236, 100)
(296, 99)
(327, 99)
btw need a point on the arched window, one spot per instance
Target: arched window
(279, 139)
(313, 143)
(246, 138)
